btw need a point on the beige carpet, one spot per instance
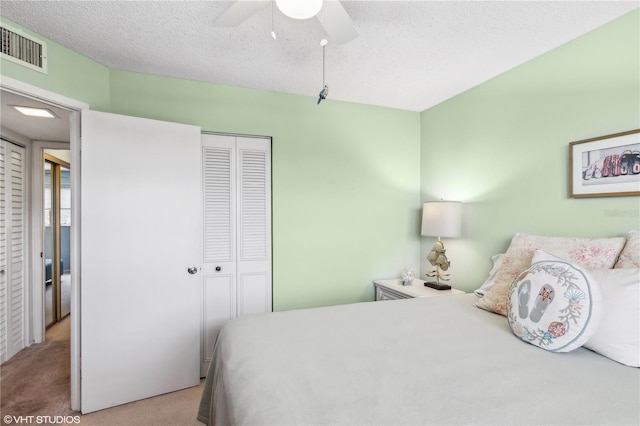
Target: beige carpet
(35, 382)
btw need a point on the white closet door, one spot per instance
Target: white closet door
(12, 249)
(237, 232)
(254, 226)
(219, 195)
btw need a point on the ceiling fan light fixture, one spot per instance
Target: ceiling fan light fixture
(298, 9)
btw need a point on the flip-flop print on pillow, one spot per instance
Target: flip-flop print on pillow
(554, 304)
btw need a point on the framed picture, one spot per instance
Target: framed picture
(606, 166)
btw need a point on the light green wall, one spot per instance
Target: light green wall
(502, 147)
(346, 177)
(346, 180)
(68, 74)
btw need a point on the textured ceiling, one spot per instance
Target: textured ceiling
(409, 54)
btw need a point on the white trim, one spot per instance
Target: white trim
(28, 325)
(35, 92)
(75, 259)
(75, 106)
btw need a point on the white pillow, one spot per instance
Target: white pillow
(488, 283)
(554, 304)
(618, 336)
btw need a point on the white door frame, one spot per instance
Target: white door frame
(75, 107)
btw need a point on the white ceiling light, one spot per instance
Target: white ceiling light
(35, 112)
(299, 9)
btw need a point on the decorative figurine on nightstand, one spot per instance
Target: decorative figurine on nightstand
(438, 258)
(407, 277)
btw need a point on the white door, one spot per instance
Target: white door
(219, 239)
(254, 226)
(12, 250)
(236, 271)
(141, 219)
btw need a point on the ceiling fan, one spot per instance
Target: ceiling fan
(331, 14)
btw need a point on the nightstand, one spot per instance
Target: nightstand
(391, 290)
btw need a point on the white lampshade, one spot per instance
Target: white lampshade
(299, 9)
(442, 219)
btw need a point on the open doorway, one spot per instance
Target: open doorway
(67, 131)
(37, 133)
(57, 232)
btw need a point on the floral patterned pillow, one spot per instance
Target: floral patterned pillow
(554, 304)
(589, 253)
(630, 256)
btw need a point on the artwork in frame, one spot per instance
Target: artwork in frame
(606, 166)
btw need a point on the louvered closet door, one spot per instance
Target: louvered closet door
(219, 287)
(12, 250)
(237, 232)
(254, 226)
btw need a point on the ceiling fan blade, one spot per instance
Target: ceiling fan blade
(336, 22)
(240, 11)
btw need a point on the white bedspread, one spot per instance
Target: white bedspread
(416, 361)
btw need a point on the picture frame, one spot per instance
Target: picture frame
(605, 166)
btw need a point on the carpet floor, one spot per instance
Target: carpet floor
(36, 382)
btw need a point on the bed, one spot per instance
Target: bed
(438, 360)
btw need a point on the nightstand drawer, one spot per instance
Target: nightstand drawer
(393, 290)
(386, 294)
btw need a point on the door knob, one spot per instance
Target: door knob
(218, 268)
(192, 270)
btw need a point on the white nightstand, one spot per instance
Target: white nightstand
(391, 290)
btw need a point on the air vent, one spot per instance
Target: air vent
(23, 49)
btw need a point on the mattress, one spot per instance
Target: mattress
(417, 361)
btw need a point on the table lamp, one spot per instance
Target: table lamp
(440, 219)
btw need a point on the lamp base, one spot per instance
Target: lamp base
(438, 286)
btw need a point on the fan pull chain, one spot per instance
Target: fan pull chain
(273, 30)
(325, 89)
(323, 65)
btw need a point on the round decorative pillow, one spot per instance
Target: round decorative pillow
(553, 304)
